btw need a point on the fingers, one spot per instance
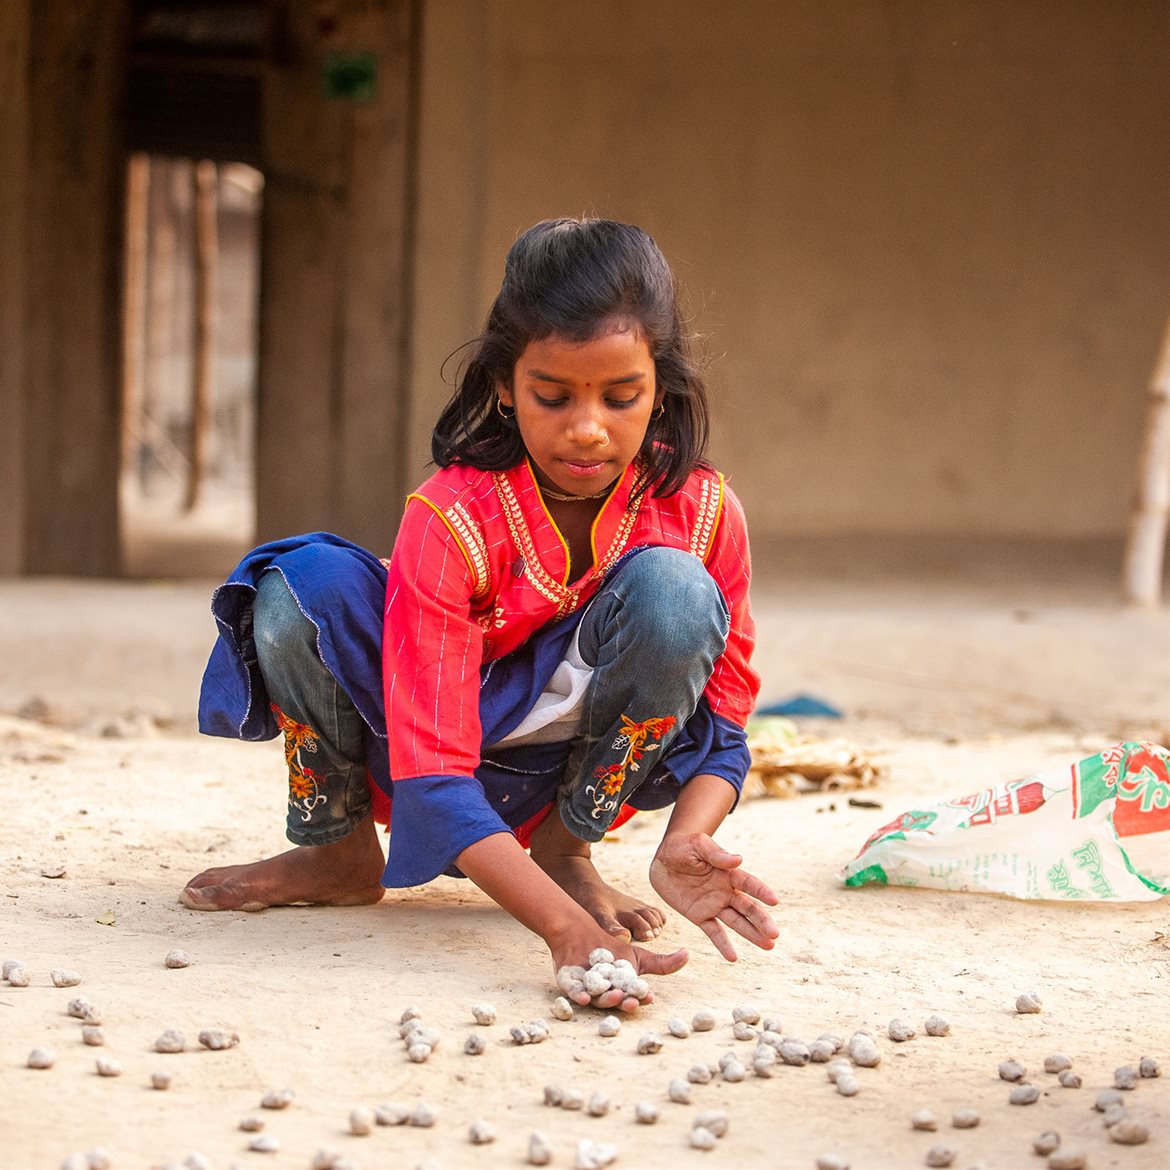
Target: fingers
(714, 854)
(748, 883)
(752, 921)
(722, 940)
(652, 963)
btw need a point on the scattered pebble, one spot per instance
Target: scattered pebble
(98, 1159)
(160, 1081)
(553, 1095)
(649, 1043)
(598, 1105)
(679, 1029)
(830, 1038)
(1113, 1115)
(703, 1139)
(170, 1041)
(176, 960)
(746, 1013)
(197, 1161)
(863, 1051)
(714, 1120)
(78, 1007)
(764, 1061)
(965, 1118)
(699, 1074)
(277, 1099)
(18, 976)
(1070, 1079)
(325, 1160)
(418, 1053)
(703, 1021)
(899, 1031)
(646, 1113)
(362, 1121)
(1028, 1004)
(391, 1114)
(742, 1030)
(936, 1026)
(1012, 1070)
(1105, 1098)
(410, 1013)
(539, 1149)
(794, 1052)
(821, 1051)
(9, 966)
(679, 1091)
(422, 1116)
(837, 1068)
(924, 1119)
(734, 1072)
(265, 1143)
(573, 1100)
(474, 1045)
(1067, 1160)
(594, 1155)
(609, 1026)
(41, 1058)
(252, 1124)
(107, 1066)
(62, 977)
(1024, 1095)
(1128, 1132)
(562, 1009)
(832, 1162)
(848, 1085)
(1048, 1141)
(481, 1133)
(1057, 1063)
(940, 1155)
(92, 1035)
(1149, 1067)
(1126, 1077)
(483, 1013)
(217, 1039)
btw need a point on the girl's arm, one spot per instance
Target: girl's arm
(501, 868)
(701, 880)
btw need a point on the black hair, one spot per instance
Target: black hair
(574, 278)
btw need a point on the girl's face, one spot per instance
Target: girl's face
(583, 406)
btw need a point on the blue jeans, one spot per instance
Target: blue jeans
(651, 636)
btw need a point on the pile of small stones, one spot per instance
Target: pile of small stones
(603, 974)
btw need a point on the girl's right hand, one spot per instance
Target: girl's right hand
(573, 953)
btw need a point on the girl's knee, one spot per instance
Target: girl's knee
(277, 620)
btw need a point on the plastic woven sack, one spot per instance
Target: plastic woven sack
(1098, 830)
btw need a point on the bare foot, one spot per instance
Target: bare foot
(345, 873)
(566, 859)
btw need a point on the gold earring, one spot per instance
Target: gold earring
(500, 410)
(659, 412)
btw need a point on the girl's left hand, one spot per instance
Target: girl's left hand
(704, 882)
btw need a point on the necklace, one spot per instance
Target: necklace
(549, 494)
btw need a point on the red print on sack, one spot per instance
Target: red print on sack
(1143, 794)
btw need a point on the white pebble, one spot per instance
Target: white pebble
(1105, 1098)
(703, 1021)
(924, 1119)
(1128, 1132)
(680, 1029)
(324, 1159)
(598, 1105)
(91, 1015)
(520, 1034)
(252, 1124)
(645, 1113)
(562, 1009)
(1012, 1070)
(18, 976)
(594, 1155)
(277, 1099)
(160, 1081)
(41, 1058)
(1070, 1079)
(75, 1161)
(1048, 1141)
(408, 1014)
(62, 977)
(170, 1041)
(937, 1026)
(771, 1024)
(794, 1052)
(391, 1114)
(418, 1053)
(573, 1100)
(107, 1066)
(734, 1072)
(648, 1043)
(553, 1095)
(713, 1120)
(1057, 1063)
(474, 1045)
(600, 955)
(483, 1013)
(423, 1116)
(821, 1051)
(832, 1162)
(9, 966)
(1067, 1160)
(1028, 1004)
(265, 1143)
(899, 1031)
(92, 1035)
(940, 1155)
(481, 1133)
(570, 980)
(98, 1159)
(176, 960)
(699, 1074)
(197, 1161)
(848, 1085)
(746, 1013)
(838, 1068)
(1126, 1077)
(217, 1039)
(78, 1007)
(742, 1030)
(539, 1149)
(1024, 1095)
(965, 1118)
(1113, 1115)
(596, 983)
(679, 1091)
(703, 1139)
(1149, 1067)
(863, 1051)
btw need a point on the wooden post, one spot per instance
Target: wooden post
(134, 306)
(1145, 546)
(205, 180)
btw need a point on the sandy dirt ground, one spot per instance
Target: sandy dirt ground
(954, 680)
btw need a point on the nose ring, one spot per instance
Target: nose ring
(604, 441)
